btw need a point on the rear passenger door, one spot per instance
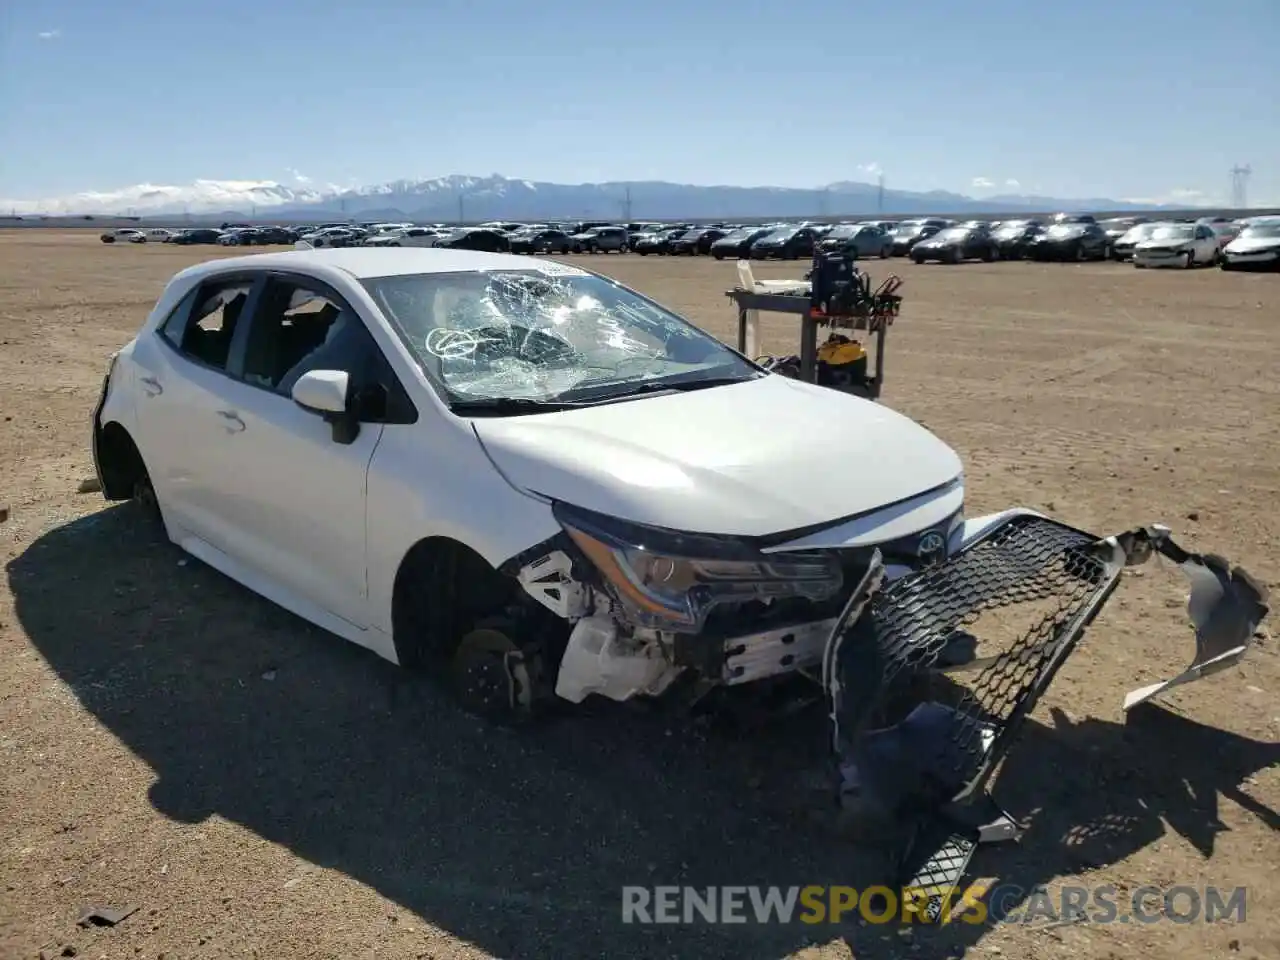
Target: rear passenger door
(182, 370)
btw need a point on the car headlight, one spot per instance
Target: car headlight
(671, 580)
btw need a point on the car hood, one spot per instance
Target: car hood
(748, 459)
(1252, 244)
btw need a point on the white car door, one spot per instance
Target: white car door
(1206, 245)
(298, 489)
(183, 424)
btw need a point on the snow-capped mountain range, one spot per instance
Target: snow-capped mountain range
(463, 197)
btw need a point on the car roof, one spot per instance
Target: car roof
(368, 262)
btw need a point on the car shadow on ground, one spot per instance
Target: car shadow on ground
(521, 841)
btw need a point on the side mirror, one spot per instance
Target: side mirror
(322, 391)
(328, 393)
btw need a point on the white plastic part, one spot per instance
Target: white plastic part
(548, 580)
(598, 661)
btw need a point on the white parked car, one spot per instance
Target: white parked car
(407, 237)
(1177, 245)
(537, 482)
(1258, 245)
(159, 235)
(123, 235)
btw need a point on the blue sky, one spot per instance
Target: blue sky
(1115, 98)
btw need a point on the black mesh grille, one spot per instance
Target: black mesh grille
(1039, 573)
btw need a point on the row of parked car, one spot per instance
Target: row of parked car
(1253, 241)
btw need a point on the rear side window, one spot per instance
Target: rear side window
(201, 327)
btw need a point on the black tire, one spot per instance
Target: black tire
(884, 253)
(1081, 253)
(1189, 260)
(144, 498)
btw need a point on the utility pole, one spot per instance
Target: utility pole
(1240, 186)
(626, 207)
(462, 209)
(822, 203)
(880, 194)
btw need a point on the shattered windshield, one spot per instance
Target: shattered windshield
(547, 334)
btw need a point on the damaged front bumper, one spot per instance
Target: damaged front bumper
(914, 765)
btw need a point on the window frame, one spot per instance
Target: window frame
(400, 406)
(182, 314)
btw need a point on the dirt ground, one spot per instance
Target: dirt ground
(259, 788)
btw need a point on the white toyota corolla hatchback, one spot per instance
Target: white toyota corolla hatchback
(540, 482)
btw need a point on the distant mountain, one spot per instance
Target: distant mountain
(470, 198)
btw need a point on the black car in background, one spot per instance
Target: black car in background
(483, 239)
(857, 239)
(659, 243)
(785, 243)
(955, 244)
(696, 241)
(1071, 240)
(541, 241)
(910, 232)
(1012, 237)
(197, 235)
(737, 243)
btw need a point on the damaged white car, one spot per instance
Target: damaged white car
(532, 479)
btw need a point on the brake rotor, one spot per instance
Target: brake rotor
(492, 676)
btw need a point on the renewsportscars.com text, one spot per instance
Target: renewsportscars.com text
(975, 904)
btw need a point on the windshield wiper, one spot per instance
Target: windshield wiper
(511, 406)
(626, 390)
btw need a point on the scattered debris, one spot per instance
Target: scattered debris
(269, 674)
(90, 485)
(1193, 515)
(4, 512)
(105, 916)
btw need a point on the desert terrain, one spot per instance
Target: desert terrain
(258, 788)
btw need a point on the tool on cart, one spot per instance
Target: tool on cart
(833, 294)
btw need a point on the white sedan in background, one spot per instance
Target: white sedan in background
(535, 482)
(1258, 245)
(1177, 245)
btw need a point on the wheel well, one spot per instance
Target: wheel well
(442, 588)
(119, 462)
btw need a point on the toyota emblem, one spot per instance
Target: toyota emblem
(932, 548)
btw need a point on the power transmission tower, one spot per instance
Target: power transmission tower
(462, 209)
(626, 207)
(880, 194)
(822, 203)
(1240, 186)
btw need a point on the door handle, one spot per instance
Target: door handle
(151, 386)
(232, 421)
